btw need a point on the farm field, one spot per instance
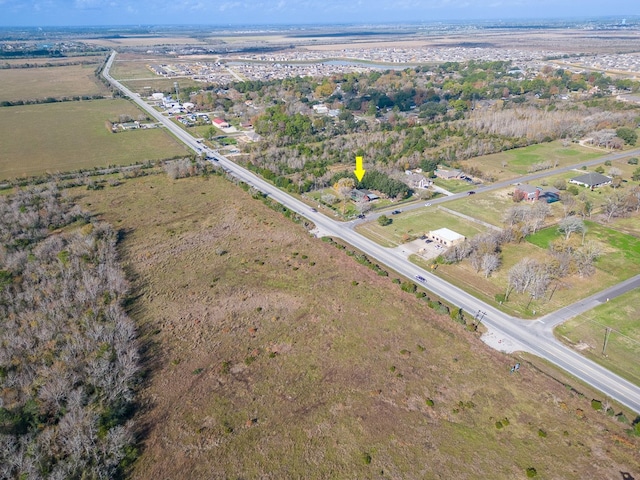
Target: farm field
(586, 333)
(132, 69)
(147, 85)
(517, 161)
(56, 82)
(271, 351)
(40, 142)
(96, 59)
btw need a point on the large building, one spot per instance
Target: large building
(445, 237)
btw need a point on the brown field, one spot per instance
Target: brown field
(59, 137)
(56, 82)
(272, 354)
(577, 41)
(53, 61)
(143, 40)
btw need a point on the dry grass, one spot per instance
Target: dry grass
(41, 142)
(56, 82)
(267, 361)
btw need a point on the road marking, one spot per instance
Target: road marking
(541, 322)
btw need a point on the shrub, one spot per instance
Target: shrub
(429, 402)
(633, 161)
(397, 281)
(383, 220)
(408, 287)
(531, 472)
(542, 433)
(366, 458)
(596, 404)
(621, 417)
(499, 425)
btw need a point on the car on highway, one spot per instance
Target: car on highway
(361, 215)
(313, 210)
(420, 278)
(396, 212)
(428, 204)
(471, 192)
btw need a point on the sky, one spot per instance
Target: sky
(302, 12)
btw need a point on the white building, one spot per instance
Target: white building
(445, 237)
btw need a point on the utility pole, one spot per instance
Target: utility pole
(607, 333)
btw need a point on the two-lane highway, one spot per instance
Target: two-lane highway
(539, 341)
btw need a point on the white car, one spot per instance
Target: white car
(428, 204)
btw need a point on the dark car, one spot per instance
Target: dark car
(395, 212)
(471, 192)
(361, 215)
(420, 278)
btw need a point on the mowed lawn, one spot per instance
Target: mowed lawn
(60, 137)
(40, 83)
(587, 332)
(518, 161)
(415, 223)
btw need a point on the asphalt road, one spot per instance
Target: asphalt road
(534, 337)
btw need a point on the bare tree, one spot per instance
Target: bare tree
(571, 224)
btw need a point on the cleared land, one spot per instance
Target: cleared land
(271, 351)
(73, 135)
(587, 333)
(56, 82)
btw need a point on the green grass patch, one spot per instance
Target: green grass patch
(413, 224)
(587, 331)
(516, 162)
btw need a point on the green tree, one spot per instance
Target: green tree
(636, 174)
(629, 135)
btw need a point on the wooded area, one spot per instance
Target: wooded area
(68, 356)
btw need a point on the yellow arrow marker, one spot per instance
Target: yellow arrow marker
(359, 171)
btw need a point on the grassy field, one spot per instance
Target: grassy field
(56, 82)
(517, 161)
(587, 332)
(271, 351)
(132, 69)
(41, 142)
(415, 223)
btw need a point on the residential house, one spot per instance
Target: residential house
(447, 174)
(362, 194)
(528, 192)
(219, 122)
(531, 193)
(417, 180)
(591, 180)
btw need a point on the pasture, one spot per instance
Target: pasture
(267, 345)
(56, 82)
(73, 135)
(516, 162)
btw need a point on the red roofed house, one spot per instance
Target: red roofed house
(219, 122)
